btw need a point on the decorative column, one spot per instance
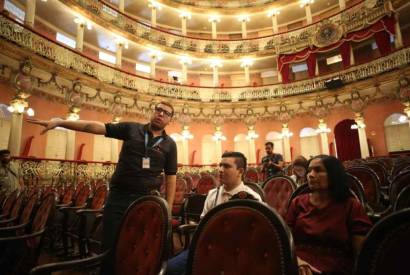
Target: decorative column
(118, 54)
(154, 58)
(364, 148)
(274, 15)
(243, 19)
(407, 111)
(186, 136)
(185, 61)
(154, 7)
(306, 5)
(398, 39)
(323, 131)
(278, 71)
(214, 19)
(121, 5)
(286, 134)
(79, 41)
(218, 137)
(73, 115)
(215, 64)
(342, 4)
(252, 135)
(246, 63)
(352, 61)
(30, 12)
(23, 83)
(184, 17)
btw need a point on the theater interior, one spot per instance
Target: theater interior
(313, 77)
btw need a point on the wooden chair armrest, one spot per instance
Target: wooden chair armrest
(64, 205)
(187, 228)
(67, 265)
(2, 222)
(22, 237)
(89, 211)
(11, 229)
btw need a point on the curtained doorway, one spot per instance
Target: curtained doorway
(347, 140)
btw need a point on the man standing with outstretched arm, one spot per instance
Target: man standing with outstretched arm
(147, 151)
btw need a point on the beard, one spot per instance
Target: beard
(155, 126)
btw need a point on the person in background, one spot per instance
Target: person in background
(299, 168)
(9, 173)
(147, 151)
(231, 169)
(328, 224)
(272, 163)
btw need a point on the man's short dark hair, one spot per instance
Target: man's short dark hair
(4, 152)
(167, 104)
(240, 159)
(269, 143)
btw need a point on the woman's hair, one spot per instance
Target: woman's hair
(336, 176)
(300, 161)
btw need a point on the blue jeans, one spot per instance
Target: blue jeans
(177, 264)
(117, 203)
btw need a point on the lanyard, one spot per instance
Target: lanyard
(155, 144)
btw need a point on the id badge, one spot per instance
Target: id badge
(145, 163)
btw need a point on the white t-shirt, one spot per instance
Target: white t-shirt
(224, 196)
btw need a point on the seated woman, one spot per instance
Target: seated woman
(299, 167)
(328, 224)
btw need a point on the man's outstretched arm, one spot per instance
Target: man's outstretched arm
(93, 127)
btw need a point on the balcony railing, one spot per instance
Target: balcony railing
(354, 18)
(68, 58)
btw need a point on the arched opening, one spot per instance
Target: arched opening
(241, 144)
(347, 140)
(309, 142)
(397, 133)
(209, 150)
(5, 124)
(180, 147)
(276, 139)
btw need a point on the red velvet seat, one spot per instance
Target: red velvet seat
(14, 213)
(242, 237)
(403, 199)
(257, 188)
(20, 253)
(385, 249)
(371, 185)
(278, 190)
(251, 175)
(141, 245)
(8, 204)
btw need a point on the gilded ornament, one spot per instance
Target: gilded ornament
(327, 33)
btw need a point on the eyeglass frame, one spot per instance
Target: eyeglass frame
(159, 110)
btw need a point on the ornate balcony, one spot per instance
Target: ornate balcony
(354, 18)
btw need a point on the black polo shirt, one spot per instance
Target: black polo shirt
(129, 174)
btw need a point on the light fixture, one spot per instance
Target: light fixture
(81, 21)
(155, 54)
(155, 5)
(214, 18)
(252, 135)
(121, 41)
(304, 3)
(19, 106)
(185, 14)
(244, 18)
(73, 116)
(186, 134)
(357, 126)
(30, 112)
(246, 62)
(402, 119)
(216, 63)
(218, 135)
(184, 59)
(323, 130)
(273, 12)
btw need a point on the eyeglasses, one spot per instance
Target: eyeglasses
(159, 110)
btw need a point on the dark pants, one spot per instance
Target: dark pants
(177, 264)
(117, 203)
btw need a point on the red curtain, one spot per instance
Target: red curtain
(381, 29)
(347, 141)
(311, 64)
(284, 71)
(383, 42)
(345, 53)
